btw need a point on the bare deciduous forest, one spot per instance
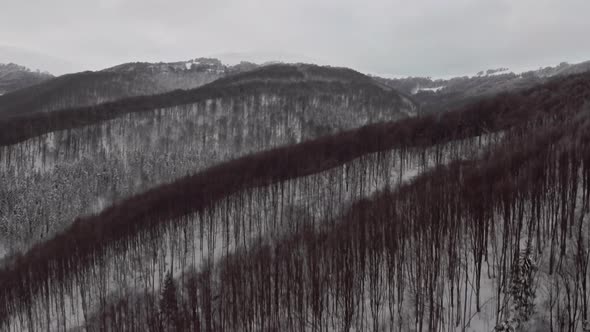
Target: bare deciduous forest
(298, 198)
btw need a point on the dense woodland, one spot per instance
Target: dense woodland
(473, 219)
(132, 152)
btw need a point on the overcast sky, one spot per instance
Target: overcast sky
(396, 38)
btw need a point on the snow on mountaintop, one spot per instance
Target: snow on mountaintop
(434, 89)
(494, 72)
(198, 64)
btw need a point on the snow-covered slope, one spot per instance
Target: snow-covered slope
(471, 220)
(131, 153)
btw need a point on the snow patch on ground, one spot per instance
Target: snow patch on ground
(435, 89)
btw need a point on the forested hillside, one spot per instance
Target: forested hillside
(473, 219)
(63, 164)
(436, 95)
(126, 80)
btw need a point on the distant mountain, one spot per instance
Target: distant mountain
(37, 60)
(447, 94)
(200, 64)
(563, 69)
(126, 80)
(293, 73)
(14, 77)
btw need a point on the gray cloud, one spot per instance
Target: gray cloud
(424, 37)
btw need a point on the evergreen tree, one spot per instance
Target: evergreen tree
(521, 291)
(169, 313)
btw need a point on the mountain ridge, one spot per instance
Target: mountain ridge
(14, 77)
(126, 80)
(436, 95)
(256, 79)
